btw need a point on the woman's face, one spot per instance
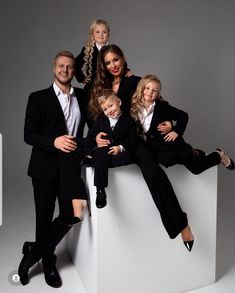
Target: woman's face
(114, 64)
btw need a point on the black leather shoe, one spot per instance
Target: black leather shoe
(101, 198)
(51, 275)
(189, 244)
(28, 260)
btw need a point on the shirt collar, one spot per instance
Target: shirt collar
(150, 109)
(114, 120)
(99, 47)
(58, 91)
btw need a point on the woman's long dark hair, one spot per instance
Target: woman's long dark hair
(103, 78)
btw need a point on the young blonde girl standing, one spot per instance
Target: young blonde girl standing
(87, 59)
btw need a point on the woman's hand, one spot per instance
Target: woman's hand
(129, 73)
(171, 136)
(101, 142)
(114, 150)
(164, 127)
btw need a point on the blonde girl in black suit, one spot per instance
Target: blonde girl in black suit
(87, 59)
(149, 110)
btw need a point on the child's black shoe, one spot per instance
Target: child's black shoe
(101, 198)
(87, 162)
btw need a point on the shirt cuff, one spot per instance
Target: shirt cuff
(122, 148)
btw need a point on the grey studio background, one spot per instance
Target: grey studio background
(189, 44)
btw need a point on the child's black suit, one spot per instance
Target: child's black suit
(178, 151)
(124, 133)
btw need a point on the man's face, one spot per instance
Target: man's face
(64, 70)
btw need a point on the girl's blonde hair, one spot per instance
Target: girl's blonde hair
(137, 103)
(89, 46)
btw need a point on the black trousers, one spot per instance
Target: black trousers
(70, 180)
(49, 232)
(103, 161)
(173, 218)
(196, 161)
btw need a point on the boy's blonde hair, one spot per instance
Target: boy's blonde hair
(89, 47)
(137, 103)
(106, 94)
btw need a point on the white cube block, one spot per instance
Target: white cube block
(124, 248)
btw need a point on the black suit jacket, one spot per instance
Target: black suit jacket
(126, 90)
(44, 121)
(163, 111)
(124, 132)
(80, 62)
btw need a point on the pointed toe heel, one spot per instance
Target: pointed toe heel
(189, 244)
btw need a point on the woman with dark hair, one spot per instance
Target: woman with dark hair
(86, 61)
(111, 67)
(111, 74)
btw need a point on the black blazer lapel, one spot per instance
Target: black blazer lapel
(55, 104)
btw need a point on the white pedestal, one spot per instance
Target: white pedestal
(124, 248)
(0, 179)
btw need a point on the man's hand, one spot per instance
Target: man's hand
(65, 143)
(101, 142)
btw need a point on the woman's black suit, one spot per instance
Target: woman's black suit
(173, 218)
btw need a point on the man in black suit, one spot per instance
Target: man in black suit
(54, 124)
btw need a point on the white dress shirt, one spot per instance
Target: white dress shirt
(70, 107)
(113, 122)
(146, 117)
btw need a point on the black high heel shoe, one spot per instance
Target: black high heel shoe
(230, 165)
(189, 244)
(186, 233)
